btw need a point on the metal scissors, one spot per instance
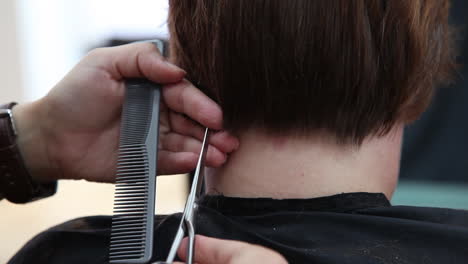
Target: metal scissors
(187, 223)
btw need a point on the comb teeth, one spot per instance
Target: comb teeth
(132, 223)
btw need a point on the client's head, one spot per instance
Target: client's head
(350, 69)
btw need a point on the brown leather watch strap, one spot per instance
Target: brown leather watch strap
(16, 184)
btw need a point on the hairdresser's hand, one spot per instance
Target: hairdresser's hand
(217, 251)
(73, 132)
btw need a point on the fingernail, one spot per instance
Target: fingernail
(174, 67)
(236, 144)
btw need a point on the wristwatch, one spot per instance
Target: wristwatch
(16, 184)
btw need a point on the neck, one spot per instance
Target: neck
(291, 167)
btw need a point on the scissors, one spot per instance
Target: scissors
(187, 223)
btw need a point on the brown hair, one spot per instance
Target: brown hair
(349, 68)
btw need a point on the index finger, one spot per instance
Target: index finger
(136, 60)
(183, 97)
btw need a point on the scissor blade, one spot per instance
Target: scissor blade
(188, 218)
(176, 244)
(198, 178)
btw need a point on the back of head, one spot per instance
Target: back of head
(350, 69)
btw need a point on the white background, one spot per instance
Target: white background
(55, 34)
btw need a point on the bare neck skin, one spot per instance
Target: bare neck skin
(288, 168)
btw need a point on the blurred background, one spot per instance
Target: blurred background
(42, 40)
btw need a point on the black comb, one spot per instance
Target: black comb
(135, 190)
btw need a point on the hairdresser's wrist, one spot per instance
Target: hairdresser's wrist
(32, 140)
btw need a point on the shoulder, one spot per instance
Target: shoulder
(59, 244)
(434, 215)
(81, 240)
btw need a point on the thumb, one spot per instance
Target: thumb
(217, 251)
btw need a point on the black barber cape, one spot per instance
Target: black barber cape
(346, 228)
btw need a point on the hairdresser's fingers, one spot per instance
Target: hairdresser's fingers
(183, 97)
(178, 143)
(217, 251)
(135, 60)
(222, 140)
(212, 251)
(176, 162)
(181, 124)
